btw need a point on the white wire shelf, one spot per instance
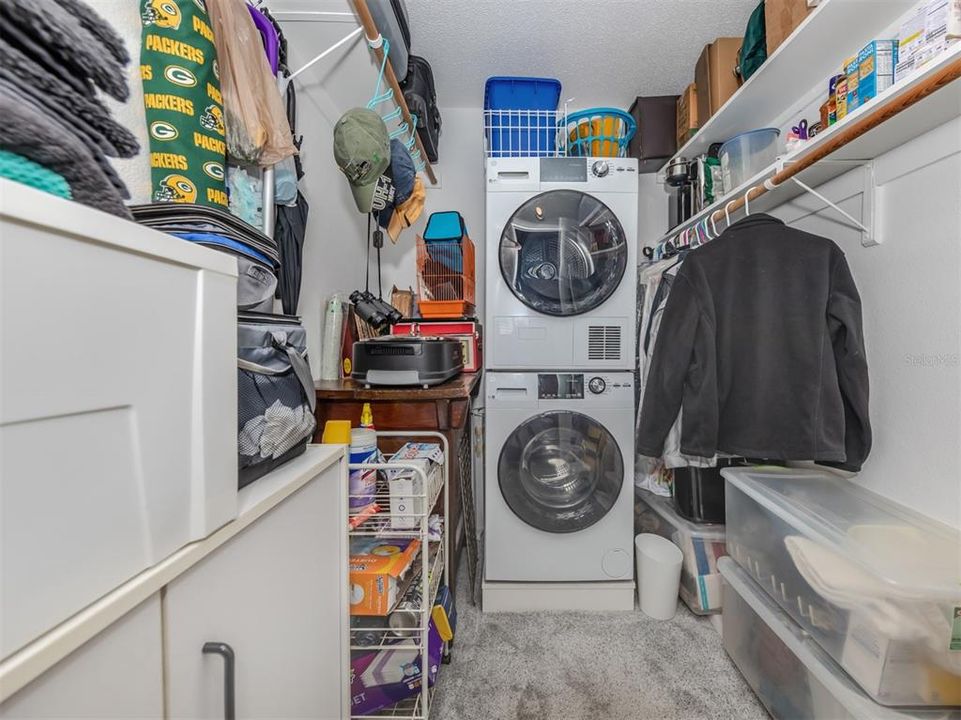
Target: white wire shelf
(388, 523)
(525, 133)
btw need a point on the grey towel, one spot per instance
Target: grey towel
(99, 28)
(82, 113)
(27, 131)
(69, 43)
(68, 129)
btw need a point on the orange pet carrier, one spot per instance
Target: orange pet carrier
(445, 277)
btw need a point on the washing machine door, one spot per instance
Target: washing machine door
(560, 471)
(563, 253)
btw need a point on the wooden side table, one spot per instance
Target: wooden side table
(443, 408)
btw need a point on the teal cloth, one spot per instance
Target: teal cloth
(27, 172)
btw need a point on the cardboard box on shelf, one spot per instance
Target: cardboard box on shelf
(406, 485)
(853, 71)
(715, 77)
(377, 568)
(876, 63)
(780, 19)
(687, 119)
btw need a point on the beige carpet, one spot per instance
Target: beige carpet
(589, 666)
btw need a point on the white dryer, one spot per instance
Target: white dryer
(559, 472)
(561, 256)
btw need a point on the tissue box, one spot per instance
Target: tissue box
(377, 568)
(876, 63)
(379, 678)
(406, 484)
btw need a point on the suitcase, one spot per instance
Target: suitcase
(391, 19)
(421, 99)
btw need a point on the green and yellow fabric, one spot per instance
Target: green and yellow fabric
(184, 107)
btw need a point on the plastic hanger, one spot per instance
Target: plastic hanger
(747, 207)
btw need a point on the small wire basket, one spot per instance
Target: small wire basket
(445, 277)
(524, 133)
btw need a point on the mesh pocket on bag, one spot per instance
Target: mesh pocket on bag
(274, 416)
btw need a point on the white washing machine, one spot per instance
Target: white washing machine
(559, 496)
(561, 269)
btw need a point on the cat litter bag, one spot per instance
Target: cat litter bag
(276, 397)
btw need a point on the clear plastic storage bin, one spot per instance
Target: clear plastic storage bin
(875, 584)
(745, 155)
(793, 677)
(701, 546)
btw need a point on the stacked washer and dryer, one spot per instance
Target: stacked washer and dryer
(561, 254)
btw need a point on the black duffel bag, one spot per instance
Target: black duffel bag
(276, 396)
(421, 100)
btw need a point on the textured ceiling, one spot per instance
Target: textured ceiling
(604, 52)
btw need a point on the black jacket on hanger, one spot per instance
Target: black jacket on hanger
(761, 342)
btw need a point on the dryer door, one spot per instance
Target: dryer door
(560, 471)
(563, 253)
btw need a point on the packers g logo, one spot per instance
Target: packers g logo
(162, 13)
(176, 188)
(213, 119)
(163, 131)
(216, 69)
(180, 76)
(214, 170)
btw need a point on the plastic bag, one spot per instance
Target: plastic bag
(257, 128)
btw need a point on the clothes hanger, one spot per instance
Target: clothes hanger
(747, 207)
(727, 211)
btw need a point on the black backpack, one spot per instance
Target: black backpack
(422, 101)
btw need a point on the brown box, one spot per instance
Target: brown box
(656, 138)
(714, 75)
(687, 114)
(780, 19)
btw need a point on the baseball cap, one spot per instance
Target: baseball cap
(401, 173)
(362, 152)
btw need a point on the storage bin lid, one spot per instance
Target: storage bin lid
(908, 554)
(521, 93)
(664, 508)
(816, 660)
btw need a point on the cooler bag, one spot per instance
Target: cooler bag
(421, 100)
(276, 393)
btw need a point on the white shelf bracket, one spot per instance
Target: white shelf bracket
(869, 224)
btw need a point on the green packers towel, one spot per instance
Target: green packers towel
(184, 108)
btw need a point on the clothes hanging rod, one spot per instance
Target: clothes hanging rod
(376, 46)
(887, 110)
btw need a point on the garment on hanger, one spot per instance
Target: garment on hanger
(183, 104)
(761, 344)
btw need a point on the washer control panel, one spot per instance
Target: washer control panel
(560, 386)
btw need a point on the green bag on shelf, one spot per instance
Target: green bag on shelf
(754, 48)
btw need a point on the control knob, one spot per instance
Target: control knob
(597, 385)
(600, 168)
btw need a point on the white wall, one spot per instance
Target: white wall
(335, 246)
(910, 288)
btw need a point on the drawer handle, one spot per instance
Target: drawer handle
(227, 653)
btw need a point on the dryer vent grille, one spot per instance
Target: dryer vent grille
(604, 342)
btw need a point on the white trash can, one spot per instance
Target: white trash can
(658, 575)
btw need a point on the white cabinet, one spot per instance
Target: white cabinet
(116, 674)
(276, 594)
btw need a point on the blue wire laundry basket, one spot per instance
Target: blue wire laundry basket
(598, 132)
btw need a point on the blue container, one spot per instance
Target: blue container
(445, 225)
(511, 132)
